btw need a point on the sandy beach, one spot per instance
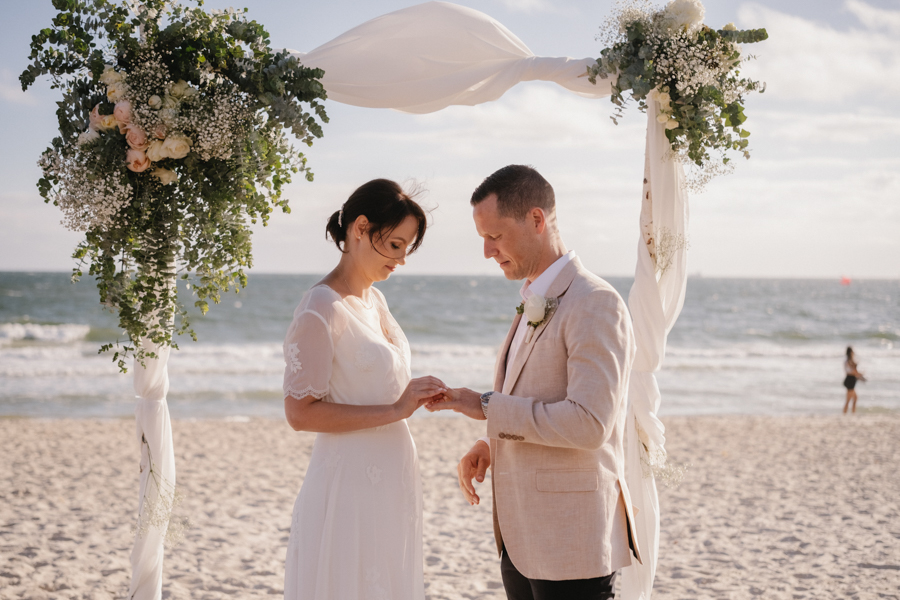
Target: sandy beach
(779, 507)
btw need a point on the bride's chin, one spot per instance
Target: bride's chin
(384, 274)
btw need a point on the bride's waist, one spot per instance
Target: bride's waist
(396, 429)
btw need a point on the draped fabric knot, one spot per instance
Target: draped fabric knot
(427, 57)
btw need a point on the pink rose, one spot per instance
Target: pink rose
(137, 160)
(136, 137)
(160, 131)
(122, 112)
(95, 118)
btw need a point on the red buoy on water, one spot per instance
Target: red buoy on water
(845, 281)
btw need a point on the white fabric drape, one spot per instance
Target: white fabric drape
(154, 434)
(426, 57)
(655, 301)
(430, 56)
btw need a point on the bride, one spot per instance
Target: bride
(356, 531)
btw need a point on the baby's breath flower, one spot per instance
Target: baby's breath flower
(690, 71)
(87, 198)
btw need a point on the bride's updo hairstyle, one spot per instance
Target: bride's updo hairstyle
(384, 203)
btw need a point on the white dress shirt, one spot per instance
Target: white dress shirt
(530, 288)
(537, 287)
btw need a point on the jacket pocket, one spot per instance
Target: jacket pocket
(576, 480)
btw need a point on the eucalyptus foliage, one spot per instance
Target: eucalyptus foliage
(205, 78)
(669, 56)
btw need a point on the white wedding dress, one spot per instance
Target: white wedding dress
(356, 531)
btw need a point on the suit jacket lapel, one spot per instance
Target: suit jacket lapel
(503, 356)
(556, 290)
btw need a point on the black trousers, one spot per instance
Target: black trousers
(519, 587)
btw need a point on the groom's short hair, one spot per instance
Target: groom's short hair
(519, 188)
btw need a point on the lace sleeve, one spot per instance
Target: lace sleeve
(308, 353)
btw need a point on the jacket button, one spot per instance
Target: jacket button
(521, 438)
(502, 436)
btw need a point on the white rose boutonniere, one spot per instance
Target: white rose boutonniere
(537, 310)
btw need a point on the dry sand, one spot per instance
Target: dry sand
(787, 507)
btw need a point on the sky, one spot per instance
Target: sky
(820, 196)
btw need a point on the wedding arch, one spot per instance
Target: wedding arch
(430, 56)
(419, 59)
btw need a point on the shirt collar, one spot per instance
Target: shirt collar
(542, 282)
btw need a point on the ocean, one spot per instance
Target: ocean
(741, 346)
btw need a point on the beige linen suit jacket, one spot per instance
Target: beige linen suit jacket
(557, 423)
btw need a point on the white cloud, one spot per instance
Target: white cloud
(533, 115)
(863, 127)
(875, 18)
(528, 6)
(11, 90)
(806, 60)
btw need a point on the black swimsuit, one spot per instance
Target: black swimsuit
(850, 380)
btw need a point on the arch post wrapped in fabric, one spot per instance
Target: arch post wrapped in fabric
(426, 57)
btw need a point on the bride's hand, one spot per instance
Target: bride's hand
(418, 392)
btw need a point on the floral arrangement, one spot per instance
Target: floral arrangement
(668, 56)
(171, 145)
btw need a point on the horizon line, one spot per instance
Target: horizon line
(696, 275)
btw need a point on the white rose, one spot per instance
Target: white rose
(116, 91)
(165, 175)
(730, 27)
(155, 102)
(156, 152)
(672, 124)
(170, 101)
(663, 99)
(168, 115)
(111, 76)
(685, 14)
(191, 92)
(177, 145)
(662, 118)
(179, 89)
(88, 136)
(535, 309)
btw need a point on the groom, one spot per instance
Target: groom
(556, 417)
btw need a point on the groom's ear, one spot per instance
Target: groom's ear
(538, 219)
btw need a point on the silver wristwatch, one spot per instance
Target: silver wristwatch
(485, 398)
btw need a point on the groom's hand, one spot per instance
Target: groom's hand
(473, 465)
(461, 400)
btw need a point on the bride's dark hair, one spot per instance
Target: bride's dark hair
(385, 205)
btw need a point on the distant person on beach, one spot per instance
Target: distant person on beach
(853, 375)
